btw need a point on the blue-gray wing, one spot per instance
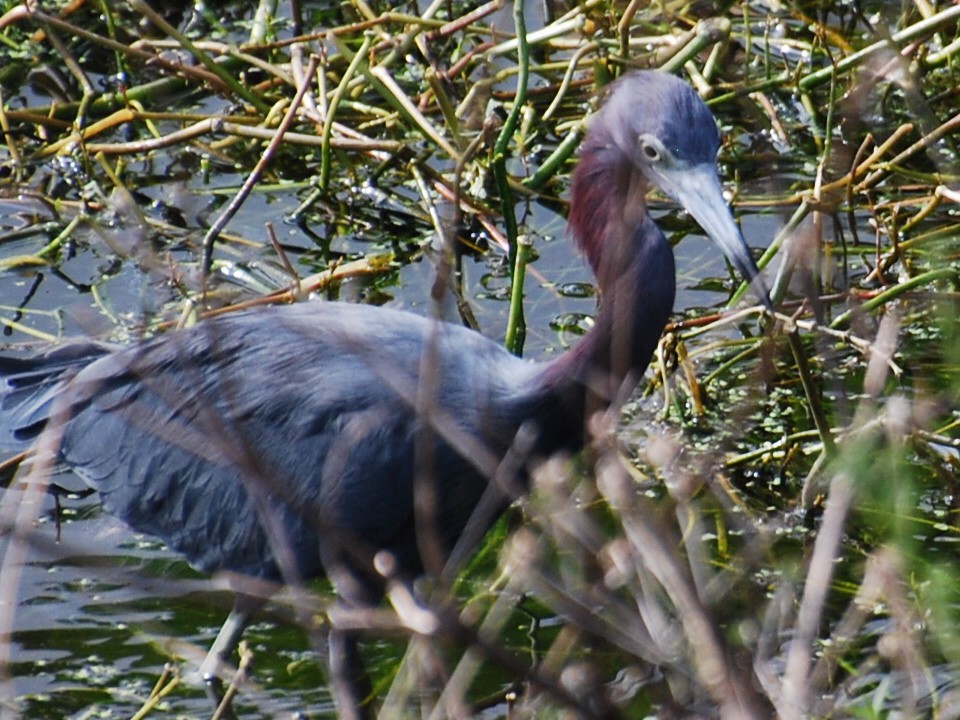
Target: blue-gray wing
(28, 386)
(260, 442)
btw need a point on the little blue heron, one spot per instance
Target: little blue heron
(291, 442)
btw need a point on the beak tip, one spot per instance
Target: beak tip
(767, 302)
(748, 270)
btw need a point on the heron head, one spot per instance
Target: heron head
(670, 137)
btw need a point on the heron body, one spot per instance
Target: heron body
(289, 442)
(315, 409)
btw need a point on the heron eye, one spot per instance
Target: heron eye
(650, 151)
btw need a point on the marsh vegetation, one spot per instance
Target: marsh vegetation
(771, 524)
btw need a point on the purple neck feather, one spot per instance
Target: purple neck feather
(634, 266)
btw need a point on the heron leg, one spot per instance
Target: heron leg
(218, 658)
(349, 681)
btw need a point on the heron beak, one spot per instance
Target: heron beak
(698, 190)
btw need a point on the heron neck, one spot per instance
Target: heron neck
(635, 269)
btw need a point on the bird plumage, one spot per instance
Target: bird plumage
(311, 405)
